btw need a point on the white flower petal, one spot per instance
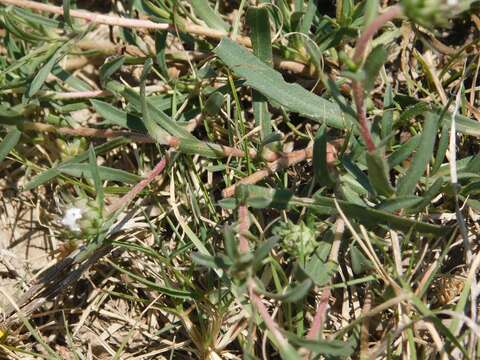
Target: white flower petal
(72, 215)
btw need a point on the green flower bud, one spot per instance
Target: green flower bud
(71, 149)
(83, 217)
(431, 13)
(297, 239)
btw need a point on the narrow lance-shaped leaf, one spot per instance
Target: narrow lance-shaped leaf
(260, 197)
(110, 67)
(153, 129)
(320, 164)
(378, 173)
(44, 71)
(408, 183)
(113, 115)
(270, 83)
(9, 142)
(259, 23)
(204, 11)
(372, 66)
(93, 167)
(55, 171)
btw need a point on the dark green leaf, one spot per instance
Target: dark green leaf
(9, 142)
(324, 347)
(110, 67)
(105, 173)
(378, 173)
(320, 165)
(113, 115)
(43, 73)
(360, 264)
(204, 11)
(408, 183)
(372, 66)
(270, 83)
(95, 174)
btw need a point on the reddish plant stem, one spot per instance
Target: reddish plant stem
(282, 162)
(134, 136)
(357, 88)
(319, 318)
(125, 22)
(362, 42)
(244, 224)
(124, 200)
(358, 97)
(267, 319)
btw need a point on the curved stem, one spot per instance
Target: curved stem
(357, 88)
(362, 42)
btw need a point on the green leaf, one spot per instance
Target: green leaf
(113, 115)
(372, 66)
(66, 13)
(318, 268)
(55, 171)
(44, 71)
(428, 196)
(9, 142)
(166, 123)
(175, 293)
(204, 11)
(371, 11)
(211, 262)
(260, 197)
(270, 83)
(259, 22)
(214, 103)
(404, 202)
(320, 166)
(378, 173)
(335, 348)
(264, 249)
(95, 173)
(408, 183)
(231, 246)
(153, 129)
(104, 173)
(110, 68)
(160, 47)
(404, 151)
(360, 264)
(308, 16)
(292, 294)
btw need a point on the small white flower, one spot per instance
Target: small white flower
(72, 215)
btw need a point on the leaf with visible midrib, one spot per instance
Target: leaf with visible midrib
(270, 83)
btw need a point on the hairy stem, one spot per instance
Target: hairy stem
(357, 88)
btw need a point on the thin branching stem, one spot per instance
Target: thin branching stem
(125, 22)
